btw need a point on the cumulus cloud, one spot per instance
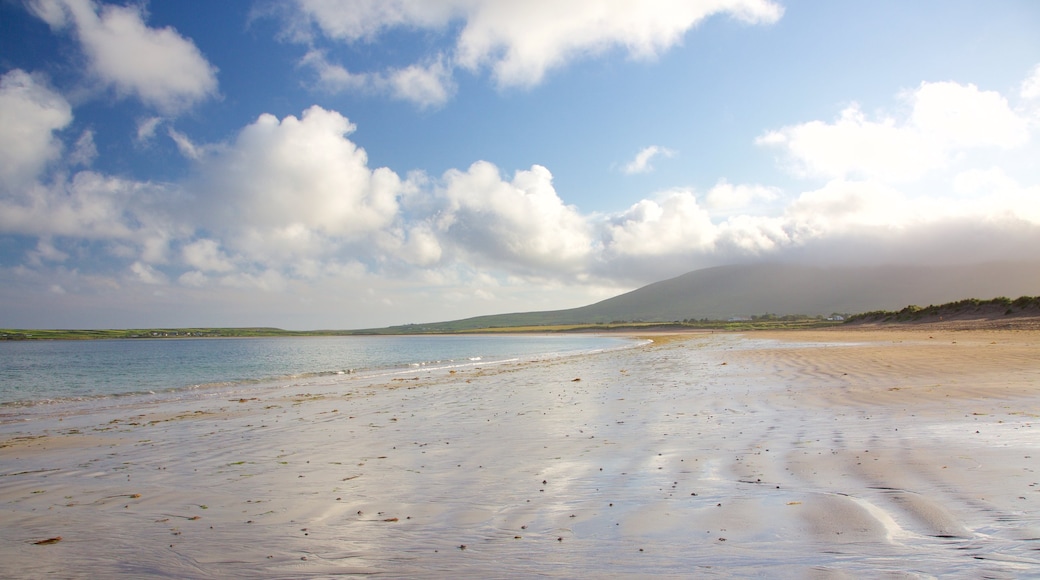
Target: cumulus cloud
(426, 85)
(30, 113)
(285, 187)
(519, 42)
(366, 19)
(416, 244)
(841, 204)
(91, 205)
(522, 222)
(641, 162)
(992, 195)
(46, 252)
(945, 118)
(674, 223)
(673, 233)
(959, 116)
(205, 255)
(146, 274)
(727, 196)
(158, 66)
(1031, 86)
(291, 207)
(41, 194)
(333, 77)
(500, 35)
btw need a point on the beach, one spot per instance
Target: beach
(908, 453)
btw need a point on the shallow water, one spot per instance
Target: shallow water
(657, 462)
(44, 371)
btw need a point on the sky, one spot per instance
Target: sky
(320, 164)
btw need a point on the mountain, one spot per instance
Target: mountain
(744, 290)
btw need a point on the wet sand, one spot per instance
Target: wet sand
(787, 455)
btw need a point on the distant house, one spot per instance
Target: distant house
(836, 318)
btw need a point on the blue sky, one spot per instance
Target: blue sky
(353, 163)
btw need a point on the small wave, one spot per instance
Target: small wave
(150, 381)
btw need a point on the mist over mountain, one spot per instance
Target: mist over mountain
(744, 290)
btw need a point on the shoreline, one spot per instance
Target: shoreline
(792, 454)
(174, 383)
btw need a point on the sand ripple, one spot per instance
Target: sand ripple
(871, 455)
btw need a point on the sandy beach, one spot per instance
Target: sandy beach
(827, 454)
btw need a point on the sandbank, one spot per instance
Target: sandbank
(824, 454)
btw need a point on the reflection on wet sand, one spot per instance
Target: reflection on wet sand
(795, 455)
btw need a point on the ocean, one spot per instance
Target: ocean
(45, 372)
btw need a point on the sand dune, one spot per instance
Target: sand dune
(901, 454)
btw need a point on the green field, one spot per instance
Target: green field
(154, 333)
(411, 329)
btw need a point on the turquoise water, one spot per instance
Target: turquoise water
(35, 372)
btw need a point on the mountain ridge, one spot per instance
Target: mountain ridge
(744, 290)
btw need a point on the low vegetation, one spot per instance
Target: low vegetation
(763, 322)
(969, 309)
(960, 310)
(135, 333)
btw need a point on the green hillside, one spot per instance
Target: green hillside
(755, 290)
(759, 293)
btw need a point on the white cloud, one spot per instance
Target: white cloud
(521, 41)
(843, 204)
(522, 222)
(184, 144)
(418, 245)
(672, 224)
(30, 113)
(146, 274)
(146, 128)
(290, 187)
(90, 206)
(673, 233)
(193, 279)
(291, 207)
(85, 151)
(46, 251)
(206, 256)
(955, 116)
(743, 236)
(946, 118)
(366, 19)
(641, 162)
(52, 12)
(267, 281)
(159, 66)
(675, 224)
(333, 77)
(427, 85)
(990, 194)
(1031, 86)
(153, 241)
(727, 196)
(853, 145)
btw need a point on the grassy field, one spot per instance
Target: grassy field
(181, 333)
(48, 334)
(969, 308)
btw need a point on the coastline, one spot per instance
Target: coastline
(801, 453)
(56, 374)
